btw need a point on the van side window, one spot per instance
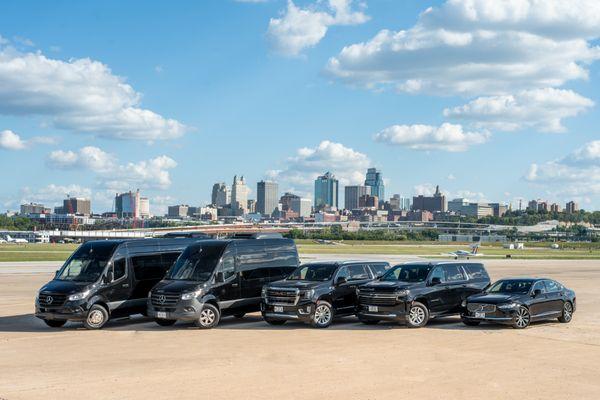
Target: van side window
(476, 271)
(152, 266)
(227, 266)
(454, 273)
(119, 268)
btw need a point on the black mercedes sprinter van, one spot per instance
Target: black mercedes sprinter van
(213, 278)
(106, 278)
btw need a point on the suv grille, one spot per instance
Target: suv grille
(47, 299)
(164, 299)
(282, 296)
(378, 299)
(481, 307)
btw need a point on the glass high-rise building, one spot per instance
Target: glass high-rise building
(374, 180)
(326, 191)
(352, 195)
(267, 197)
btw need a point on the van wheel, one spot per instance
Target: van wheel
(54, 323)
(323, 315)
(567, 313)
(97, 317)
(209, 317)
(239, 315)
(417, 316)
(275, 322)
(165, 322)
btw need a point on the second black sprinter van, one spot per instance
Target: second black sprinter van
(106, 278)
(213, 278)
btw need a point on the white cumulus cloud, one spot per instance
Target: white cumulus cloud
(10, 140)
(446, 137)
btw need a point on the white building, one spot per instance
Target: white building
(302, 206)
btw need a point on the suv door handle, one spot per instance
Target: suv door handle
(125, 285)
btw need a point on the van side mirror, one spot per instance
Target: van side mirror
(435, 281)
(108, 277)
(56, 273)
(536, 293)
(341, 280)
(219, 277)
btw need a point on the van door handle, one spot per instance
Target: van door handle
(125, 285)
(234, 285)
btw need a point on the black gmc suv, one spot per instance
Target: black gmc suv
(316, 292)
(415, 292)
(213, 278)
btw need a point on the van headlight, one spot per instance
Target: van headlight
(79, 296)
(191, 295)
(308, 294)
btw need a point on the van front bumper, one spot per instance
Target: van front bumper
(70, 311)
(183, 310)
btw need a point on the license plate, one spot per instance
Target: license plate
(479, 315)
(161, 314)
(278, 308)
(373, 309)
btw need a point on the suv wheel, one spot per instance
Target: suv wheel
(165, 322)
(323, 315)
(209, 317)
(521, 319)
(54, 323)
(97, 317)
(417, 316)
(567, 313)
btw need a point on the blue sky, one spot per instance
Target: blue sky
(490, 101)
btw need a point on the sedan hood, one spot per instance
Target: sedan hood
(292, 284)
(64, 287)
(168, 286)
(496, 298)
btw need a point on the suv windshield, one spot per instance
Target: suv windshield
(511, 286)
(87, 263)
(407, 273)
(313, 272)
(196, 263)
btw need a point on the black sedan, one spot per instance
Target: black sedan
(520, 301)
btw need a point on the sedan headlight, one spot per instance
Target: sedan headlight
(79, 296)
(508, 306)
(191, 295)
(308, 294)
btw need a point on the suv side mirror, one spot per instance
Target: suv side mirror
(435, 281)
(341, 280)
(219, 277)
(536, 293)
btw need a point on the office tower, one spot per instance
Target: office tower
(374, 180)
(267, 200)
(326, 191)
(352, 194)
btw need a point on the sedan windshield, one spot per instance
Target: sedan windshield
(196, 263)
(87, 263)
(313, 272)
(407, 273)
(511, 286)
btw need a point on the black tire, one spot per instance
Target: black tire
(275, 322)
(96, 318)
(417, 315)
(470, 322)
(55, 323)
(323, 315)
(369, 321)
(209, 317)
(567, 314)
(165, 322)
(522, 318)
(239, 315)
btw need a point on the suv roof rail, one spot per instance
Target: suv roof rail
(257, 235)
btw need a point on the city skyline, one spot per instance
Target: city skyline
(173, 113)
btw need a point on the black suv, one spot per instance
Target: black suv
(415, 292)
(213, 278)
(105, 279)
(519, 302)
(318, 291)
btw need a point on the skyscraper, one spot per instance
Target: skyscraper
(435, 203)
(132, 205)
(301, 207)
(267, 197)
(239, 196)
(326, 191)
(374, 180)
(221, 195)
(352, 194)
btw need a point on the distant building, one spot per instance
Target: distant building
(178, 211)
(572, 207)
(75, 205)
(239, 196)
(554, 208)
(267, 197)
(419, 215)
(132, 205)
(302, 207)
(251, 206)
(221, 195)
(326, 191)
(398, 202)
(374, 180)
(34, 208)
(499, 209)
(352, 194)
(435, 203)
(286, 201)
(368, 201)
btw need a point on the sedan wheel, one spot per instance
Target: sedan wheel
(522, 318)
(567, 314)
(323, 316)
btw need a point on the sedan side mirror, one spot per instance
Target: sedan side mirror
(435, 281)
(341, 280)
(536, 293)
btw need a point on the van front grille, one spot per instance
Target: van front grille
(164, 299)
(47, 299)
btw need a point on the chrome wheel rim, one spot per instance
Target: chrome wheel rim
(522, 318)
(322, 315)
(207, 317)
(95, 318)
(567, 311)
(416, 316)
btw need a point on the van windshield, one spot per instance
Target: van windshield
(196, 263)
(87, 263)
(313, 272)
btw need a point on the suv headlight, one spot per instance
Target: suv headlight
(263, 292)
(400, 294)
(191, 295)
(508, 306)
(463, 304)
(79, 296)
(308, 294)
